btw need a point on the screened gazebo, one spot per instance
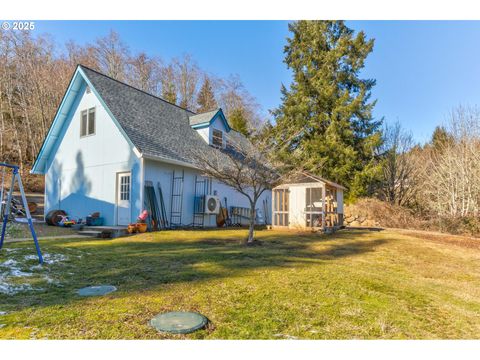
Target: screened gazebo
(307, 201)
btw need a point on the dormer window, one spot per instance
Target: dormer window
(87, 122)
(217, 138)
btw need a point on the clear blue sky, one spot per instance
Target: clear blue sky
(423, 69)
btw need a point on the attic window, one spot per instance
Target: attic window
(217, 138)
(87, 122)
(88, 90)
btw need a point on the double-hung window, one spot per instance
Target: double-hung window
(87, 122)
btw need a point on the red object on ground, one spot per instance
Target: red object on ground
(143, 216)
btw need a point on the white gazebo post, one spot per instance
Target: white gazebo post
(323, 206)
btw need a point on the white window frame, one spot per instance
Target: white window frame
(125, 187)
(88, 111)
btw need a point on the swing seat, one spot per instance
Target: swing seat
(23, 220)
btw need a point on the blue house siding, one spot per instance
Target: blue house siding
(81, 172)
(160, 172)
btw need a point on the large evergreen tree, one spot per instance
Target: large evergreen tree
(325, 123)
(206, 99)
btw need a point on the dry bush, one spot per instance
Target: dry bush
(385, 214)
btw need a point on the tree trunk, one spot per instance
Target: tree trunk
(251, 225)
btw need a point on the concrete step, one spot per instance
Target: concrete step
(90, 233)
(104, 232)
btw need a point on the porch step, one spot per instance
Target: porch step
(90, 233)
(104, 232)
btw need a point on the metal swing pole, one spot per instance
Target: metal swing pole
(16, 175)
(7, 208)
(1, 190)
(29, 216)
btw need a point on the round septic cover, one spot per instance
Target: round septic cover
(96, 290)
(182, 322)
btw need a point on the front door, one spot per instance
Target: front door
(314, 208)
(123, 198)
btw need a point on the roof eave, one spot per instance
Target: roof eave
(59, 114)
(169, 161)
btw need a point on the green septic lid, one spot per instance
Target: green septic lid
(181, 322)
(96, 290)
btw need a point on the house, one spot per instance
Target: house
(307, 201)
(109, 139)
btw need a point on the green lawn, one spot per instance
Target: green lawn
(354, 284)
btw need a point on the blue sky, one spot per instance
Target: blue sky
(423, 69)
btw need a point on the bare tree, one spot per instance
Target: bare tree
(399, 175)
(112, 55)
(452, 179)
(187, 75)
(83, 55)
(243, 166)
(235, 99)
(144, 73)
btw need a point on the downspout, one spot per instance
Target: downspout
(142, 182)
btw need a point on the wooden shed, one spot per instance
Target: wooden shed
(307, 201)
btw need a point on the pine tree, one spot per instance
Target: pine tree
(167, 80)
(206, 99)
(169, 93)
(441, 138)
(325, 123)
(238, 121)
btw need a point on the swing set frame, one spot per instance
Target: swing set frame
(6, 214)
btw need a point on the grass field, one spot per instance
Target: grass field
(350, 285)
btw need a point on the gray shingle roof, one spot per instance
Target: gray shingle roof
(156, 127)
(306, 177)
(202, 118)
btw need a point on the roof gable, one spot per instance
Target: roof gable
(203, 120)
(76, 87)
